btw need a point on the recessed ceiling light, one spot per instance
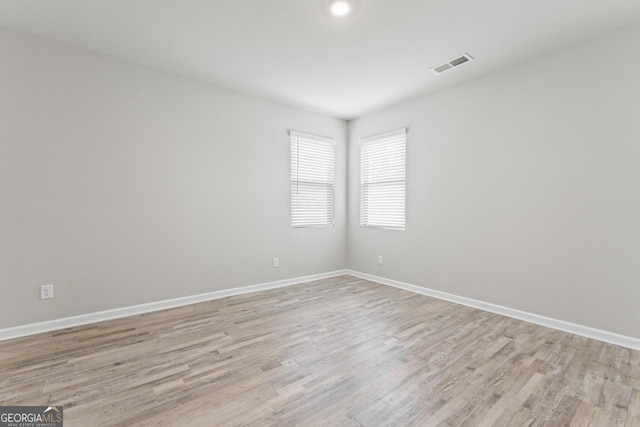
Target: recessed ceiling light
(340, 7)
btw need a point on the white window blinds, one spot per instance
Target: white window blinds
(312, 180)
(383, 180)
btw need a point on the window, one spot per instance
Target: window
(383, 180)
(312, 180)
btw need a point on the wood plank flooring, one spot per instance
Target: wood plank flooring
(341, 351)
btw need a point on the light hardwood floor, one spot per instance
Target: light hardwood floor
(341, 351)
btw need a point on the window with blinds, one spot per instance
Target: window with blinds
(383, 180)
(312, 180)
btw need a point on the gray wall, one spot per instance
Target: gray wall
(523, 188)
(123, 185)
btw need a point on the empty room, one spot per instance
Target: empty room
(319, 213)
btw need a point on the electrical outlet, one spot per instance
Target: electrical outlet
(276, 262)
(380, 259)
(46, 291)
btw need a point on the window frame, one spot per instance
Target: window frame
(330, 184)
(365, 184)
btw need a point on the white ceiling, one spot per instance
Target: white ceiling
(295, 52)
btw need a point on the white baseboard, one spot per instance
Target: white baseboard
(85, 319)
(585, 331)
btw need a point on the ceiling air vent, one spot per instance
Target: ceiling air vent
(450, 65)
